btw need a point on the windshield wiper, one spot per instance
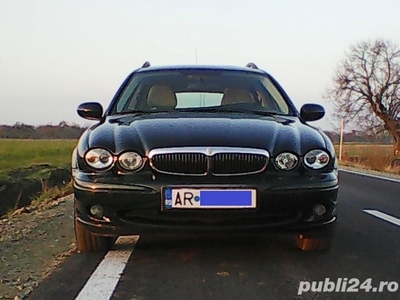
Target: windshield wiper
(203, 109)
(142, 111)
(229, 110)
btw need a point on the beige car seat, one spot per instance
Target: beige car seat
(161, 96)
(233, 95)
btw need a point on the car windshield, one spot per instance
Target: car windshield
(200, 90)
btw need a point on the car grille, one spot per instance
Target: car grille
(181, 163)
(212, 160)
(236, 163)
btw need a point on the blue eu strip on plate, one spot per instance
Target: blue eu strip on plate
(225, 198)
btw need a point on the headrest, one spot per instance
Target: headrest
(233, 95)
(161, 95)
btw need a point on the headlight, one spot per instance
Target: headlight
(99, 158)
(130, 161)
(286, 161)
(316, 159)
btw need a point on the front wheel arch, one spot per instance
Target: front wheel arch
(87, 241)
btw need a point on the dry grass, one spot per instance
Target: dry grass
(45, 199)
(370, 156)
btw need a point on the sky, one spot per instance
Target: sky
(55, 55)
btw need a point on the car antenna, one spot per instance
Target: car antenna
(146, 64)
(251, 65)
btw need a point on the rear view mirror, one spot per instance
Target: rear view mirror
(312, 112)
(90, 111)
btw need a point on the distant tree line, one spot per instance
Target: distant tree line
(24, 131)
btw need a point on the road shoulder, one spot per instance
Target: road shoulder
(371, 173)
(32, 244)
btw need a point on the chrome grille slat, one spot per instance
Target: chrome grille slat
(200, 161)
(194, 164)
(238, 164)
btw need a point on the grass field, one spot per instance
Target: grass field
(23, 153)
(365, 150)
(371, 156)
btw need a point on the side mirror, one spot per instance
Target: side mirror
(90, 111)
(312, 112)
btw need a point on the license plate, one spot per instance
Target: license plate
(189, 198)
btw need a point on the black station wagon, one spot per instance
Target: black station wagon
(203, 149)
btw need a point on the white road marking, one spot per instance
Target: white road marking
(370, 175)
(104, 279)
(383, 216)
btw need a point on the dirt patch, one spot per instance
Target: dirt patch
(19, 186)
(33, 242)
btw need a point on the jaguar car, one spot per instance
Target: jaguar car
(203, 149)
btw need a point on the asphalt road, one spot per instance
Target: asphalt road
(250, 267)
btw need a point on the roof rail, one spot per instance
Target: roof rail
(251, 65)
(146, 64)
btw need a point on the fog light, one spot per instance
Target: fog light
(97, 211)
(319, 209)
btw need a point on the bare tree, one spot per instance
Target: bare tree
(366, 88)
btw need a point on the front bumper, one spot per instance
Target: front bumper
(133, 205)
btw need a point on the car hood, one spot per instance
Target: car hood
(145, 132)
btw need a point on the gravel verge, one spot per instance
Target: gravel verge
(33, 242)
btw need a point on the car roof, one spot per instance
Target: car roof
(200, 67)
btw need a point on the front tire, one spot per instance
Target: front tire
(320, 241)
